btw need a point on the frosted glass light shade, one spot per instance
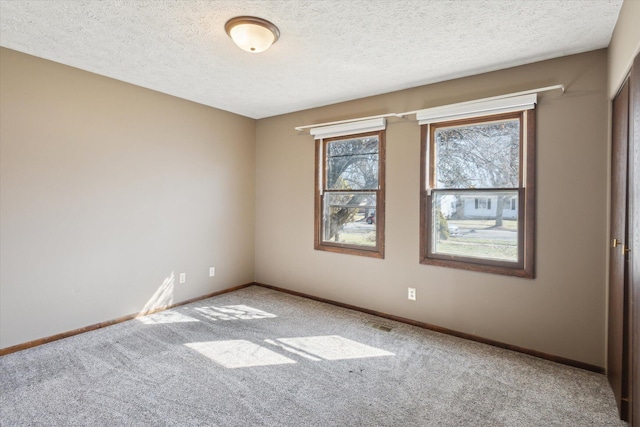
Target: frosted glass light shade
(252, 34)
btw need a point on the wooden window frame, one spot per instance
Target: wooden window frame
(376, 251)
(524, 267)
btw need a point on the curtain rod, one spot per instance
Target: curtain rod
(408, 113)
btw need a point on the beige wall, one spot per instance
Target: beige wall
(108, 192)
(561, 312)
(624, 45)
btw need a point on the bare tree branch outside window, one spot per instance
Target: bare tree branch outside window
(483, 156)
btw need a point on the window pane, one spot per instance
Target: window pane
(476, 224)
(352, 164)
(350, 218)
(483, 155)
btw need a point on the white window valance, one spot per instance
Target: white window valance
(350, 128)
(465, 110)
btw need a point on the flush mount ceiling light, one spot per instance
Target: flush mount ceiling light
(252, 34)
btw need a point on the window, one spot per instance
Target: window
(477, 201)
(483, 204)
(349, 207)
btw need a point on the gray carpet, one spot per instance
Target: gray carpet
(257, 357)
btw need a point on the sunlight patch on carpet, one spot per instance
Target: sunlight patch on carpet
(233, 312)
(292, 350)
(333, 347)
(239, 354)
(166, 317)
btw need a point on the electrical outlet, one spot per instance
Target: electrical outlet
(183, 277)
(212, 271)
(411, 294)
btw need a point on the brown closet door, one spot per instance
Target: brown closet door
(634, 236)
(618, 344)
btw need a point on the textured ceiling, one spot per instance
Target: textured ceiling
(329, 50)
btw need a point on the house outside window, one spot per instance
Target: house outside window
(484, 166)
